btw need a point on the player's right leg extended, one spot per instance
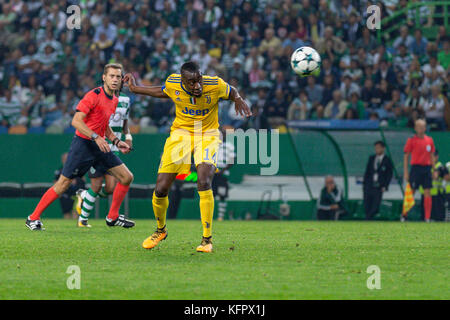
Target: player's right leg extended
(33, 221)
(79, 160)
(160, 203)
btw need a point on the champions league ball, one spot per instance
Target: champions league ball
(306, 61)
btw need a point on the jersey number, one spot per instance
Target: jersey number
(207, 155)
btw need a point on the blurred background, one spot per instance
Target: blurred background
(372, 86)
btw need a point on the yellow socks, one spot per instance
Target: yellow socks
(160, 206)
(206, 211)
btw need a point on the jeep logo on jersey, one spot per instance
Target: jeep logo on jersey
(195, 112)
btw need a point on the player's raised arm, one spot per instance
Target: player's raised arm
(239, 104)
(154, 91)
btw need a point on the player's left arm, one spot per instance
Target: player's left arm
(123, 146)
(240, 105)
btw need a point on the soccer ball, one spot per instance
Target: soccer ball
(306, 61)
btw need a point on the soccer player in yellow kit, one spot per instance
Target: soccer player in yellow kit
(195, 130)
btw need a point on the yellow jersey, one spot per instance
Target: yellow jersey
(199, 111)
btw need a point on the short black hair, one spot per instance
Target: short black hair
(190, 66)
(381, 143)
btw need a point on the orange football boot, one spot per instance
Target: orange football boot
(155, 238)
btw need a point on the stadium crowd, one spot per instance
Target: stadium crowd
(47, 67)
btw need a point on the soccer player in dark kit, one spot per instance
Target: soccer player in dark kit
(90, 149)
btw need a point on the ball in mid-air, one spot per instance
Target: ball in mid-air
(306, 61)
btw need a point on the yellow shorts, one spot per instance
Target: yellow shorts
(179, 148)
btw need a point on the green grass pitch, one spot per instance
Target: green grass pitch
(251, 260)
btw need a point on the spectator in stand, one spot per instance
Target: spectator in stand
(328, 88)
(434, 108)
(228, 58)
(350, 114)
(335, 109)
(402, 60)
(30, 98)
(444, 54)
(315, 91)
(253, 57)
(293, 41)
(367, 41)
(413, 102)
(404, 38)
(419, 45)
(11, 110)
(348, 87)
(276, 110)
(433, 65)
(385, 72)
(357, 106)
(394, 107)
(368, 96)
(153, 39)
(202, 58)
(300, 107)
(270, 42)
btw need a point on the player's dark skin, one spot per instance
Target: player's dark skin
(193, 83)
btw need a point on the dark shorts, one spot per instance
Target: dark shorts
(83, 155)
(420, 176)
(94, 173)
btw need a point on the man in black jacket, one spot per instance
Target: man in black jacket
(377, 177)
